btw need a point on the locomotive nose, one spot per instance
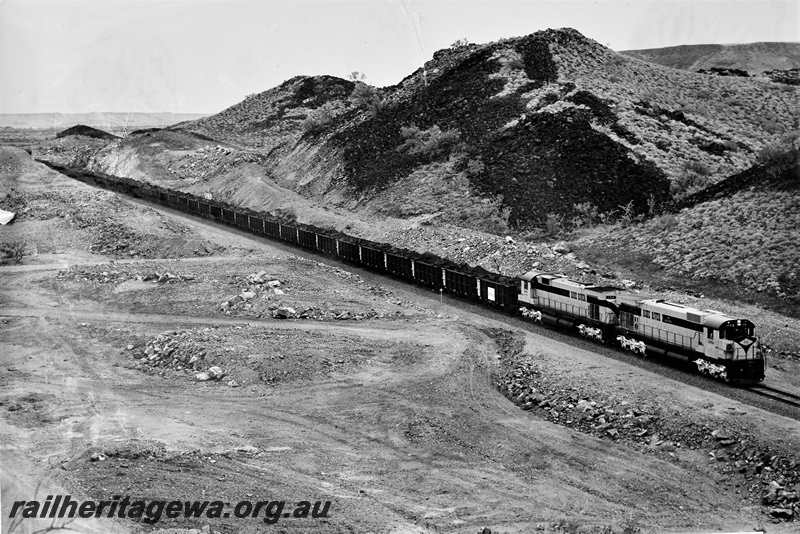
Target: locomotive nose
(746, 343)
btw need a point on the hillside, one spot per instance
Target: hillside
(739, 242)
(562, 119)
(754, 58)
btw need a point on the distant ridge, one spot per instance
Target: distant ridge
(108, 121)
(754, 58)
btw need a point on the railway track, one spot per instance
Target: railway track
(776, 394)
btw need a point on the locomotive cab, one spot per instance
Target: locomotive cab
(733, 344)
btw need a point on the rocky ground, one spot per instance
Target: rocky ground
(768, 474)
(250, 372)
(55, 214)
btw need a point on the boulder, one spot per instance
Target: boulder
(202, 376)
(561, 248)
(720, 435)
(774, 487)
(258, 278)
(215, 372)
(247, 295)
(284, 312)
(781, 513)
(72, 464)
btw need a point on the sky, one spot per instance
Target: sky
(202, 56)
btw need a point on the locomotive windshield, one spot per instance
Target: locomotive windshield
(734, 330)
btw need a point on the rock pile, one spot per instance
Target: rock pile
(118, 276)
(770, 478)
(72, 151)
(524, 385)
(773, 477)
(257, 298)
(113, 238)
(166, 277)
(257, 283)
(100, 277)
(179, 351)
(210, 161)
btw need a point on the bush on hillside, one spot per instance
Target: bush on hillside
(695, 177)
(431, 143)
(667, 221)
(12, 251)
(366, 97)
(475, 167)
(554, 224)
(317, 120)
(586, 214)
(782, 156)
(627, 215)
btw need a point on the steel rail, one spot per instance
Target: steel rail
(776, 394)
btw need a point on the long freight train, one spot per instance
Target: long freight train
(714, 343)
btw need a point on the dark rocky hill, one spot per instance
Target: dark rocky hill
(86, 131)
